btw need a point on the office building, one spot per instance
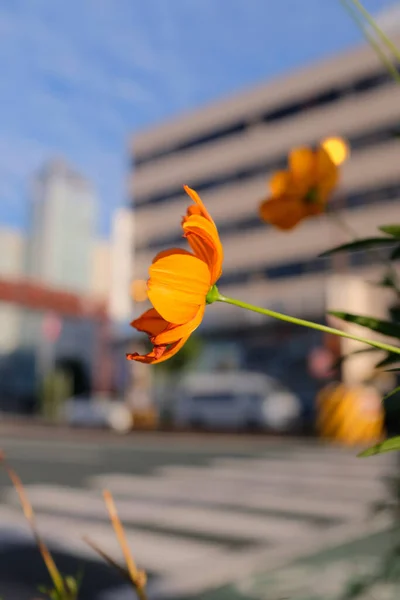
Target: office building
(62, 229)
(121, 267)
(228, 150)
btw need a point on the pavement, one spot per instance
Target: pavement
(206, 516)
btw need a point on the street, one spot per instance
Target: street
(199, 510)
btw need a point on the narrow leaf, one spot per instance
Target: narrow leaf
(341, 359)
(393, 230)
(387, 446)
(390, 359)
(392, 393)
(385, 327)
(364, 244)
(395, 254)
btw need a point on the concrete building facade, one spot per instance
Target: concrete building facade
(227, 151)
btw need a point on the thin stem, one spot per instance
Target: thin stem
(342, 224)
(30, 517)
(137, 577)
(309, 324)
(354, 13)
(389, 44)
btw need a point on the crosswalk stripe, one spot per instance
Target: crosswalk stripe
(212, 521)
(183, 522)
(153, 551)
(298, 467)
(325, 485)
(228, 494)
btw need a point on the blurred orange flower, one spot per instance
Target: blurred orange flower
(303, 190)
(178, 285)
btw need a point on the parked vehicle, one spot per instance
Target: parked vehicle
(97, 412)
(108, 413)
(234, 401)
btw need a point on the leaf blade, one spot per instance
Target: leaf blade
(390, 445)
(384, 327)
(393, 230)
(364, 244)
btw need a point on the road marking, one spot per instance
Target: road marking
(228, 493)
(153, 551)
(299, 467)
(210, 521)
(193, 500)
(318, 484)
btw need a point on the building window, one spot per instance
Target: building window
(357, 142)
(359, 86)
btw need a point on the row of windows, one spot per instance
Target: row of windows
(359, 86)
(357, 142)
(297, 268)
(366, 197)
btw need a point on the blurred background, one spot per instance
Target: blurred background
(107, 110)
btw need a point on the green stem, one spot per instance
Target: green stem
(354, 12)
(303, 323)
(384, 38)
(341, 223)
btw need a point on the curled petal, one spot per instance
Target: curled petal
(175, 332)
(150, 322)
(199, 203)
(283, 212)
(203, 238)
(178, 286)
(159, 353)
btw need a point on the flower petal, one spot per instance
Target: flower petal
(327, 175)
(175, 332)
(284, 212)
(302, 161)
(203, 238)
(169, 252)
(199, 203)
(159, 353)
(337, 148)
(178, 286)
(150, 322)
(280, 183)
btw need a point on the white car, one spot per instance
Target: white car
(98, 412)
(234, 400)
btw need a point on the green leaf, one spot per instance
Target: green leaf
(387, 446)
(341, 359)
(364, 244)
(393, 230)
(395, 254)
(387, 281)
(389, 359)
(392, 393)
(385, 327)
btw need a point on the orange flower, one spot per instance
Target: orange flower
(178, 285)
(304, 188)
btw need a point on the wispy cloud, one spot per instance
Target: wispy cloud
(78, 77)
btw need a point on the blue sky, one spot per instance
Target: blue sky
(77, 77)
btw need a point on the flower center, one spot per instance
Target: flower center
(312, 196)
